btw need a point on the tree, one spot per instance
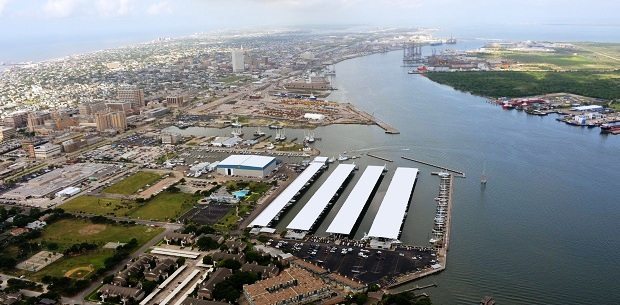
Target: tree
(206, 243)
(207, 260)
(230, 264)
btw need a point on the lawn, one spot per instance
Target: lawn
(100, 206)
(67, 232)
(164, 206)
(133, 183)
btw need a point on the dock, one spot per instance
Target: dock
(462, 174)
(441, 246)
(380, 158)
(389, 129)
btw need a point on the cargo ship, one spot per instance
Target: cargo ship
(610, 128)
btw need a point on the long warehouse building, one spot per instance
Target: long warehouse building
(391, 214)
(277, 205)
(350, 211)
(310, 213)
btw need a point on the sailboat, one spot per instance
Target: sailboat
(237, 132)
(259, 133)
(483, 178)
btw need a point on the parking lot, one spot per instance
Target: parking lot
(354, 261)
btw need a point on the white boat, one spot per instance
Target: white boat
(331, 160)
(237, 132)
(270, 147)
(280, 135)
(236, 124)
(259, 133)
(343, 157)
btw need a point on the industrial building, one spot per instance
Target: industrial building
(131, 94)
(46, 151)
(60, 179)
(247, 165)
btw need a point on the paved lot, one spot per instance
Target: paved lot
(366, 265)
(207, 215)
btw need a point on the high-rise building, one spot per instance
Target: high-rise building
(118, 120)
(238, 61)
(131, 94)
(37, 119)
(119, 106)
(175, 101)
(103, 121)
(91, 107)
(111, 120)
(6, 132)
(17, 119)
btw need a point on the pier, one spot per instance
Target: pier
(441, 245)
(462, 174)
(380, 158)
(389, 129)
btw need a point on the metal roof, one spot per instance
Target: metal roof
(305, 219)
(247, 161)
(352, 208)
(394, 204)
(271, 211)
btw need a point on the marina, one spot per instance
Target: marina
(386, 226)
(322, 198)
(276, 207)
(351, 210)
(380, 158)
(462, 174)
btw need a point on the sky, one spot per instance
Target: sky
(30, 22)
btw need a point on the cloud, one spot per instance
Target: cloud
(159, 8)
(112, 8)
(3, 4)
(60, 8)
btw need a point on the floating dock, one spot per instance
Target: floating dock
(462, 174)
(274, 209)
(393, 208)
(380, 158)
(359, 197)
(310, 213)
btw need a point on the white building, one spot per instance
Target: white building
(314, 116)
(238, 61)
(247, 165)
(46, 151)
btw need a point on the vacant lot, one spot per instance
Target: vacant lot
(133, 183)
(165, 206)
(67, 232)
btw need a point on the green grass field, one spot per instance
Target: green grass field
(100, 206)
(162, 207)
(133, 183)
(165, 206)
(67, 232)
(604, 85)
(584, 57)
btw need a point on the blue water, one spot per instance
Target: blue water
(543, 231)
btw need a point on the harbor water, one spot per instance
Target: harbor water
(542, 231)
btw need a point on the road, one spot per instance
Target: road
(79, 298)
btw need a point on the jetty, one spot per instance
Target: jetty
(461, 174)
(380, 158)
